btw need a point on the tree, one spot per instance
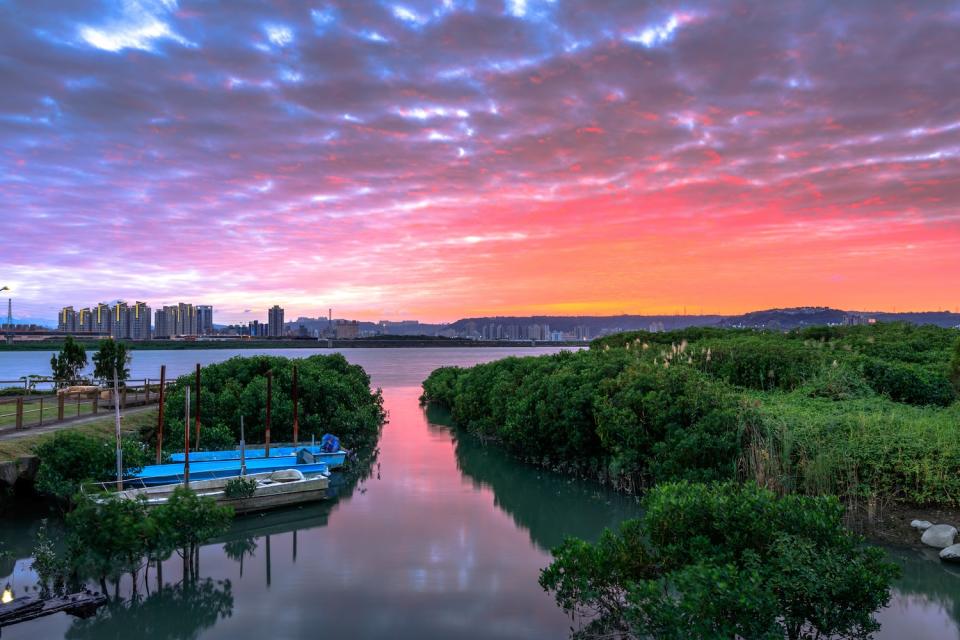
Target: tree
(67, 364)
(111, 354)
(725, 560)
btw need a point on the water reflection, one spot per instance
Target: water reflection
(549, 506)
(438, 537)
(173, 612)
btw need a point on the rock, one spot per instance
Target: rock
(951, 553)
(939, 536)
(921, 525)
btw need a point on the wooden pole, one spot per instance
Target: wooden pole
(186, 439)
(269, 392)
(196, 442)
(296, 417)
(163, 379)
(116, 413)
(243, 450)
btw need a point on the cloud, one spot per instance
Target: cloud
(648, 156)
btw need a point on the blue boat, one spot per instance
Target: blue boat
(332, 459)
(157, 474)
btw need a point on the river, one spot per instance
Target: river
(444, 538)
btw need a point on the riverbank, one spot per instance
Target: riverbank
(386, 342)
(864, 413)
(18, 464)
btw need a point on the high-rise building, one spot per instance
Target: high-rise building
(138, 321)
(204, 319)
(275, 321)
(84, 321)
(186, 320)
(102, 321)
(119, 328)
(175, 320)
(67, 320)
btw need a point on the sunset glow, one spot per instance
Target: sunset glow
(438, 160)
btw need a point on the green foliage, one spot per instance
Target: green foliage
(334, 397)
(68, 363)
(240, 488)
(725, 560)
(909, 383)
(111, 354)
(69, 459)
(186, 520)
(865, 412)
(955, 367)
(109, 537)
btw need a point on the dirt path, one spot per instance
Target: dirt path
(14, 434)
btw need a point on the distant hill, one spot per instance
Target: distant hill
(798, 317)
(596, 324)
(784, 319)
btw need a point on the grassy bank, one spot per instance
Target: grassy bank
(867, 413)
(104, 427)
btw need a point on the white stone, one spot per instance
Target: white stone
(951, 553)
(939, 536)
(921, 525)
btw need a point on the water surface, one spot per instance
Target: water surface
(444, 538)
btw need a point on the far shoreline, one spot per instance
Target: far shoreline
(308, 343)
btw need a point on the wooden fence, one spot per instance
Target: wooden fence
(40, 402)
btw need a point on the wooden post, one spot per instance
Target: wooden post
(163, 376)
(20, 412)
(78, 404)
(269, 391)
(123, 404)
(196, 443)
(96, 402)
(296, 418)
(146, 390)
(186, 439)
(60, 401)
(116, 413)
(41, 411)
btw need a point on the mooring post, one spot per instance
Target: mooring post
(163, 379)
(243, 450)
(60, 401)
(197, 417)
(186, 438)
(269, 392)
(116, 413)
(296, 417)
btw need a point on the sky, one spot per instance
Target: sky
(438, 160)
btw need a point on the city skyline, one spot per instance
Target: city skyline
(441, 160)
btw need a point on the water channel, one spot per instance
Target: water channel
(444, 537)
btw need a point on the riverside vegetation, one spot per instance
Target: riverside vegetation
(741, 440)
(106, 539)
(867, 413)
(334, 397)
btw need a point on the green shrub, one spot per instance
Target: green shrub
(724, 560)
(909, 383)
(240, 488)
(69, 459)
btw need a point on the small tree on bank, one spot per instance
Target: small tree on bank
(68, 363)
(722, 561)
(111, 353)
